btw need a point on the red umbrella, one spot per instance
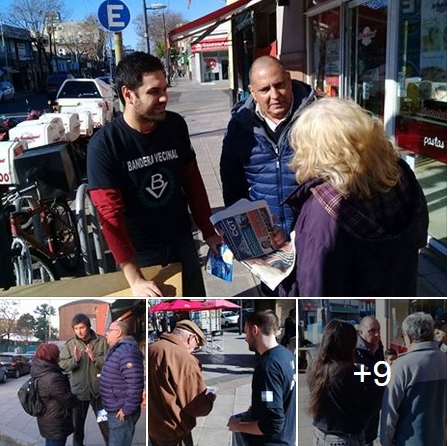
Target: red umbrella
(184, 305)
(176, 305)
(161, 306)
(216, 304)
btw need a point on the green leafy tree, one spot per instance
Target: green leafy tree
(26, 324)
(43, 328)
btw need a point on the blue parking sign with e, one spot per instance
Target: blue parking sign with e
(114, 15)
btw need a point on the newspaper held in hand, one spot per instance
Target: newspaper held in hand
(246, 227)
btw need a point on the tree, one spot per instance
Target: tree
(34, 16)
(8, 317)
(159, 25)
(25, 325)
(43, 329)
(83, 39)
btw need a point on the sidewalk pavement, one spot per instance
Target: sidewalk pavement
(230, 371)
(206, 108)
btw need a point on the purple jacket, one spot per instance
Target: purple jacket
(122, 377)
(350, 248)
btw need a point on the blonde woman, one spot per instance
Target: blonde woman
(361, 214)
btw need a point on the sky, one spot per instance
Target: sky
(198, 8)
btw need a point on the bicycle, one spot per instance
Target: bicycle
(47, 228)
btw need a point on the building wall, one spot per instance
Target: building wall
(96, 310)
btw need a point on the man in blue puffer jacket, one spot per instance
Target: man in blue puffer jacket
(256, 150)
(121, 384)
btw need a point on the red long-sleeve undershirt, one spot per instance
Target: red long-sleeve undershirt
(111, 211)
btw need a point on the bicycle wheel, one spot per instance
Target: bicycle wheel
(64, 234)
(42, 269)
(30, 265)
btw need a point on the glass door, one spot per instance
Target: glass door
(366, 58)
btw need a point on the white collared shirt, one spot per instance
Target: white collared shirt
(271, 124)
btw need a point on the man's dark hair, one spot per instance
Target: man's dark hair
(132, 67)
(266, 320)
(333, 359)
(81, 318)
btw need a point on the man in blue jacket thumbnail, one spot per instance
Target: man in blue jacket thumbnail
(121, 384)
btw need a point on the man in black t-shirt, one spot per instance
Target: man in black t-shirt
(271, 419)
(144, 179)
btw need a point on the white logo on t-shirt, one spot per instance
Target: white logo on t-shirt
(157, 186)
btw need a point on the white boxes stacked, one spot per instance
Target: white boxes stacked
(8, 151)
(39, 133)
(86, 121)
(71, 123)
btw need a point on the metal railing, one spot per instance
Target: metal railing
(93, 251)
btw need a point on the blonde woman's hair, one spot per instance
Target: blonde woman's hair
(338, 141)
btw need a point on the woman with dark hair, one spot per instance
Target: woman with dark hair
(340, 404)
(56, 423)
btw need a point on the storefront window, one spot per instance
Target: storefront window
(325, 56)
(401, 308)
(421, 94)
(368, 30)
(421, 122)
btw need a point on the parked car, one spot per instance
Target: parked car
(29, 356)
(228, 318)
(16, 364)
(54, 82)
(8, 91)
(93, 95)
(2, 374)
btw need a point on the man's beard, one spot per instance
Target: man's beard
(155, 117)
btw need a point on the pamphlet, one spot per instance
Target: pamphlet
(246, 228)
(221, 266)
(101, 415)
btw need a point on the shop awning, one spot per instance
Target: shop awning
(211, 21)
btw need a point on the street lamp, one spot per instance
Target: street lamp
(155, 7)
(152, 7)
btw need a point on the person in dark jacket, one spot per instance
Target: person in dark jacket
(256, 149)
(290, 327)
(361, 214)
(53, 387)
(122, 384)
(369, 351)
(341, 405)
